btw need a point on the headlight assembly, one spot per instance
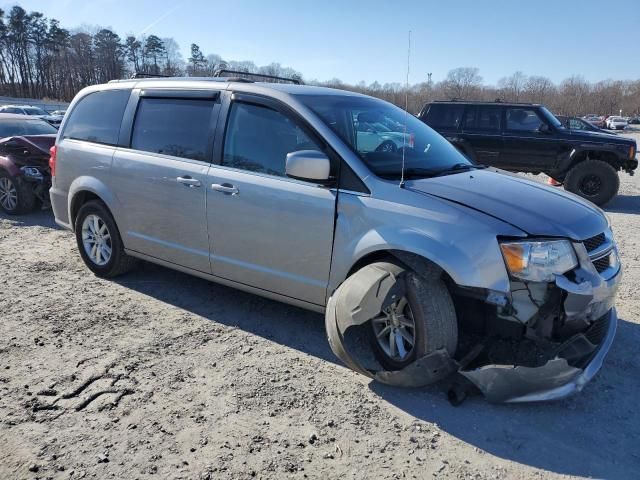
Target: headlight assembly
(538, 261)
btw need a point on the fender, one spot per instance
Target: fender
(567, 160)
(97, 187)
(9, 166)
(458, 261)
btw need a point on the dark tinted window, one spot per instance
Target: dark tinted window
(483, 117)
(523, 120)
(10, 128)
(96, 118)
(12, 110)
(177, 127)
(259, 138)
(444, 115)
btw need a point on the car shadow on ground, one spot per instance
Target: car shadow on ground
(624, 204)
(594, 433)
(43, 218)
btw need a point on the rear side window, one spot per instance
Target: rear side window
(97, 117)
(482, 117)
(259, 138)
(171, 126)
(444, 115)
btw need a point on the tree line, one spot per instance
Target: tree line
(573, 96)
(41, 59)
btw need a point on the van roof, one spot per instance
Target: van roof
(222, 83)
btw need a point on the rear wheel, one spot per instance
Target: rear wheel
(422, 321)
(595, 180)
(16, 197)
(99, 241)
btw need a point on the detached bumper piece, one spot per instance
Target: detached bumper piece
(578, 360)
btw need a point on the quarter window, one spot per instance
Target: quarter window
(97, 117)
(523, 120)
(258, 139)
(176, 127)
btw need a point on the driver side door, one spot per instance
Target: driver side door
(528, 147)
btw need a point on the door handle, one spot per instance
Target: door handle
(189, 181)
(225, 188)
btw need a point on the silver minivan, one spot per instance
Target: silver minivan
(427, 266)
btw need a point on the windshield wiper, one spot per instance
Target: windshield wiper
(410, 173)
(459, 167)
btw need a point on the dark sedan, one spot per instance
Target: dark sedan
(25, 178)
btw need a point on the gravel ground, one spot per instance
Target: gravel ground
(162, 375)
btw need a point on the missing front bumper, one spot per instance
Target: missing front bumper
(555, 380)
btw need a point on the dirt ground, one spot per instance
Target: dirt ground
(162, 375)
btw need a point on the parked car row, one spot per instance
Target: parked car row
(53, 118)
(611, 122)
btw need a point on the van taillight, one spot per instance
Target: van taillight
(52, 161)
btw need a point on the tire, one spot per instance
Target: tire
(595, 180)
(16, 197)
(434, 317)
(387, 146)
(118, 262)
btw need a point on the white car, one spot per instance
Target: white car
(374, 135)
(616, 123)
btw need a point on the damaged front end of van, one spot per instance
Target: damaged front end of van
(543, 339)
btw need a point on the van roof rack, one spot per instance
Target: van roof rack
(242, 76)
(149, 75)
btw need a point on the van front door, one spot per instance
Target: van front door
(267, 230)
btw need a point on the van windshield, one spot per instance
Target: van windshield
(375, 130)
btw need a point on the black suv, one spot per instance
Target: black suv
(528, 138)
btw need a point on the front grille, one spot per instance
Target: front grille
(594, 242)
(602, 263)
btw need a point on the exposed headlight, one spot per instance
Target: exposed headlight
(32, 172)
(539, 261)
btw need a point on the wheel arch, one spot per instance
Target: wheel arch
(85, 189)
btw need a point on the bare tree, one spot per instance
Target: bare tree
(462, 82)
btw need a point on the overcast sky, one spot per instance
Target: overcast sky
(367, 40)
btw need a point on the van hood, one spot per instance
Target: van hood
(534, 208)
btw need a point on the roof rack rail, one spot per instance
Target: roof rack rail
(242, 76)
(149, 75)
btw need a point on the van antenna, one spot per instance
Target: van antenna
(406, 112)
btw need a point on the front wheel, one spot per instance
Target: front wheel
(420, 322)
(595, 180)
(99, 241)
(16, 197)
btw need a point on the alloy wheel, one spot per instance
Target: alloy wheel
(96, 240)
(8, 194)
(395, 330)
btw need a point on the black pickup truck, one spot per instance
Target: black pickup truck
(528, 138)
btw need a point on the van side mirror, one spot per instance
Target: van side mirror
(543, 128)
(308, 165)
